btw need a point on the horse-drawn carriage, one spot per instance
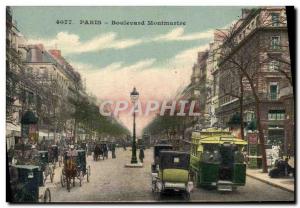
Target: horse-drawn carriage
(25, 184)
(46, 167)
(101, 150)
(74, 167)
(27, 154)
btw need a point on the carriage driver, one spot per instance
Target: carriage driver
(72, 152)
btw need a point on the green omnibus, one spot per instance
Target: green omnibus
(216, 159)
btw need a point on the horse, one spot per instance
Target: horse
(70, 171)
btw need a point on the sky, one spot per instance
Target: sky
(157, 60)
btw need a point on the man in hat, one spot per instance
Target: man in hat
(72, 151)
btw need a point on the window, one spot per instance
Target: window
(273, 91)
(176, 160)
(276, 115)
(275, 42)
(274, 66)
(249, 116)
(275, 19)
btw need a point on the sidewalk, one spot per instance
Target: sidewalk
(282, 183)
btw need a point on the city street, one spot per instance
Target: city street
(110, 181)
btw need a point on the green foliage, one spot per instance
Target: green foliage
(161, 124)
(87, 114)
(235, 120)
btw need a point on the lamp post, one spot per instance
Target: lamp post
(134, 95)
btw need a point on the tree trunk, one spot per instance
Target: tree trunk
(259, 127)
(74, 133)
(242, 108)
(261, 136)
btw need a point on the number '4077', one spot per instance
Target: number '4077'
(64, 22)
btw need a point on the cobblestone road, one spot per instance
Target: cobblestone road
(111, 182)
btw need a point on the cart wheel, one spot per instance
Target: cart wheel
(47, 196)
(62, 179)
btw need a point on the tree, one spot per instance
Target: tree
(248, 58)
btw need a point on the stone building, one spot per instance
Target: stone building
(18, 86)
(59, 82)
(258, 43)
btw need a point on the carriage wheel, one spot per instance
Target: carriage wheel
(47, 196)
(62, 179)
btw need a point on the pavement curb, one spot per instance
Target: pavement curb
(270, 183)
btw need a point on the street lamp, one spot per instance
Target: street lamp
(134, 95)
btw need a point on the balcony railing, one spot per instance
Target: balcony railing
(273, 96)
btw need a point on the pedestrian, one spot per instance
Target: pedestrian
(113, 150)
(10, 154)
(141, 154)
(105, 151)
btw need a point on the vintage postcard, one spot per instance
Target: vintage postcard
(145, 104)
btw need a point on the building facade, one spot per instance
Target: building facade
(259, 43)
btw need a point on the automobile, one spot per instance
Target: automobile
(156, 152)
(217, 160)
(173, 174)
(25, 185)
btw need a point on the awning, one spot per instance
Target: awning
(12, 127)
(13, 130)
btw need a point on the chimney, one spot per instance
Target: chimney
(56, 53)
